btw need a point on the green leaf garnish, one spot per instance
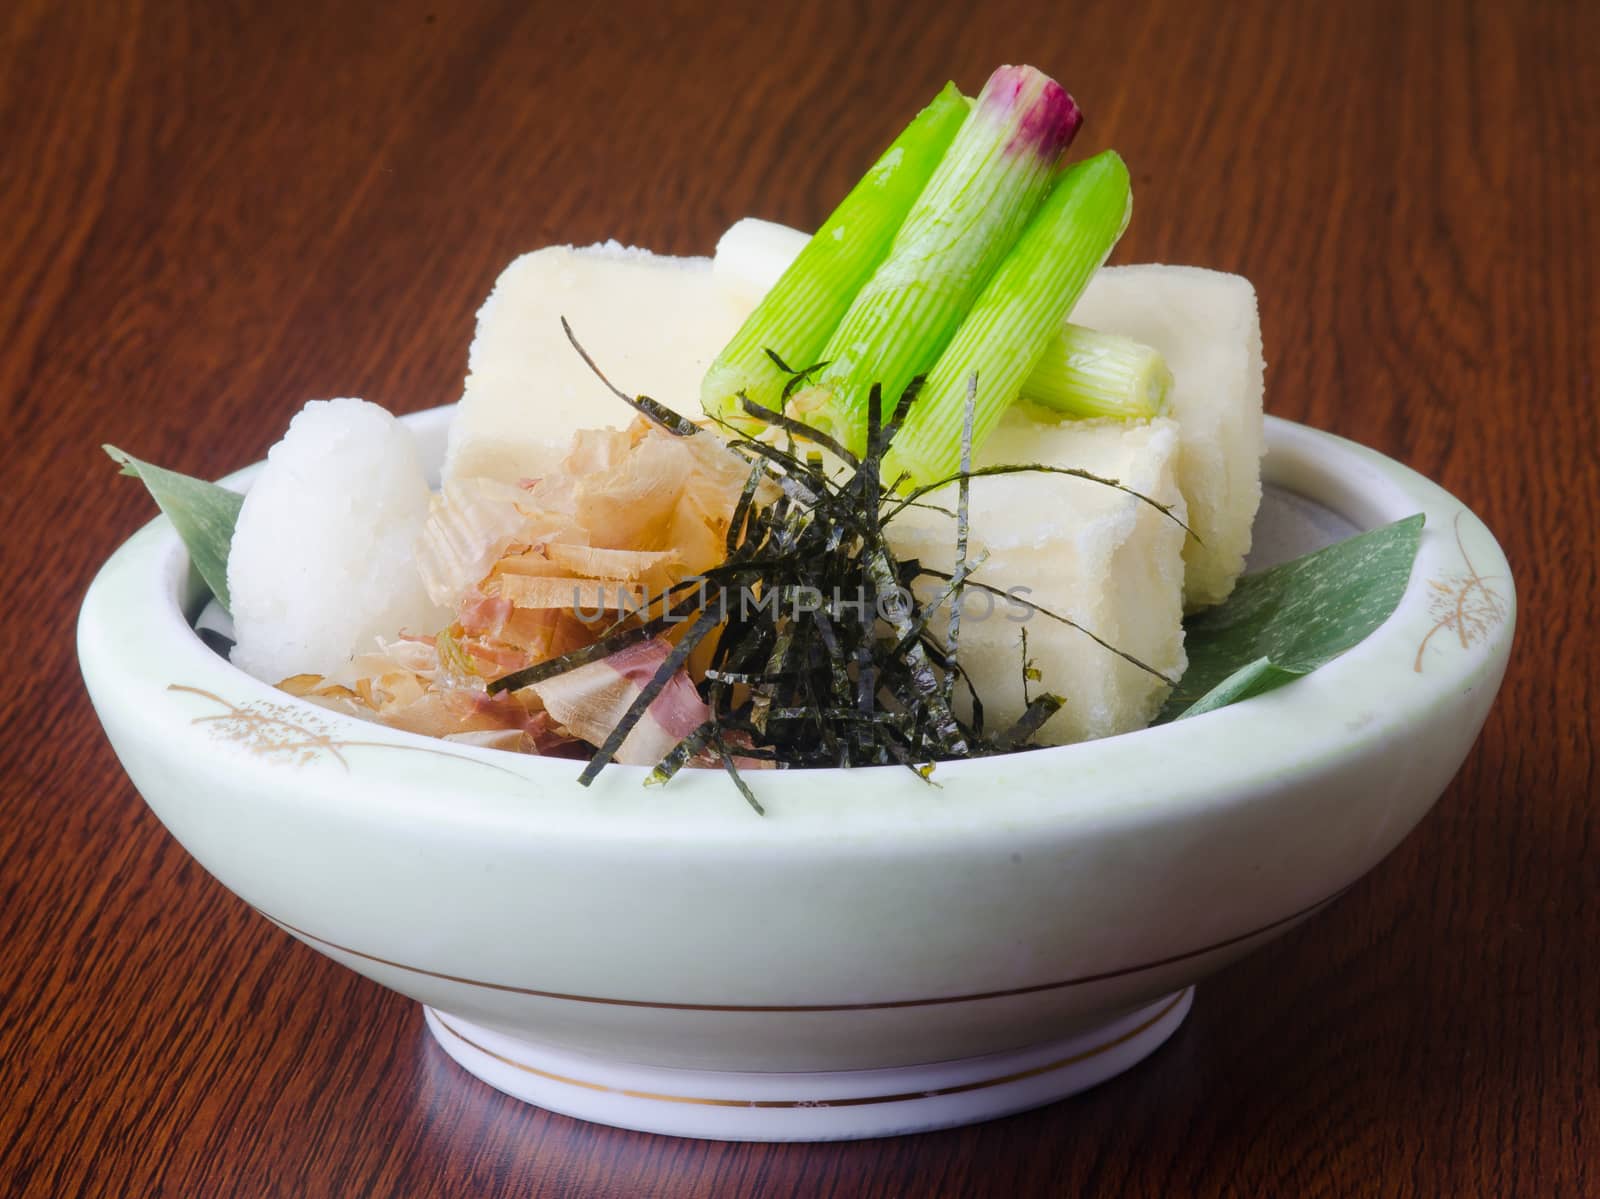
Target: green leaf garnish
(203, 513)
(1283, 623)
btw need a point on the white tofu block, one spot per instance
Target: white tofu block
(1098, 556)
(652, 323)
(753, 254)
(1206, 326)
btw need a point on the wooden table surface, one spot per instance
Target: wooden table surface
(210, 213)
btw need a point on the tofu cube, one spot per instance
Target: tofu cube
(1206, 326)
(652, 323)
(1095, 555)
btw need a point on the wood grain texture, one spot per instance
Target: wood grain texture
(212, 212)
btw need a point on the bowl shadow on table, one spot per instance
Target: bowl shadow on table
(1356, 1034)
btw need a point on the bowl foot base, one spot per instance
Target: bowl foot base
(803, 1106)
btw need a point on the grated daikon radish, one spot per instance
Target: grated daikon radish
(321, 563)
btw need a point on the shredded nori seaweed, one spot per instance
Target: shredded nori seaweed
(823, 654)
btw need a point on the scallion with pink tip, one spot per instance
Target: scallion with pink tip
(980, 198)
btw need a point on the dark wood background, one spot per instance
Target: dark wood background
(212, 212)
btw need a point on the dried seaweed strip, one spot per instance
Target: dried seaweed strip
(738, 779)
(1066, 620)
(902, 409)
(680, 753)
(1027, 726)
(703, 624)
(741, 510)
(653, 410)
(796, 428)
(798, 378)
(963, 529)
(949, 593)
(1022, 468)
(593, 652)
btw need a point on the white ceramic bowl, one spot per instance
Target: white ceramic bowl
(875, 955)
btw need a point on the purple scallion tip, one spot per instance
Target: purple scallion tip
(1045, 117)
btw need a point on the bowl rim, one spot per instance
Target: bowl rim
(151, 675)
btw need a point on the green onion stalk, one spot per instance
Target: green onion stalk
(808, 301)
(980, 198)
(1084, 374)
(1021, 309)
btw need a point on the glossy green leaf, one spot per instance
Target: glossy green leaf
(1283, 623)
(203, 513)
